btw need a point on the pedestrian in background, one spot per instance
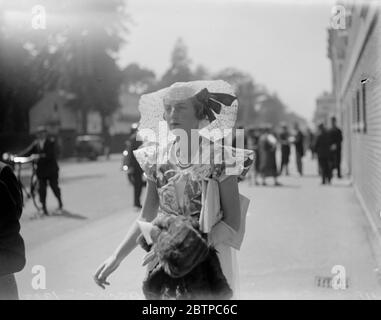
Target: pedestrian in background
(107, 145)
(242, 135)
(284, 140)
(47, 166)
(336, 140)
(299, 148)
(254, 136)
(267, 156)
(12, 250)
(310, 142)
(135, 172)
(323, 150)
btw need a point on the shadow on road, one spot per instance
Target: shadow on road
(309, 175)
(83, 177)
(68, 214)
(340, 185)
(282, 186)
(289, 186)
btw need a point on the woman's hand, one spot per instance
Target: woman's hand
(104, 270)
(149, 213)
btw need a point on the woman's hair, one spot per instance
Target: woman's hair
(199, 108)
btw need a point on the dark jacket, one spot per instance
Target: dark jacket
(299, 142)
(47, 165)
(336, 137)
(12, 250)
(131, 160)
(323, 144)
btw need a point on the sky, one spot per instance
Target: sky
(282, 44)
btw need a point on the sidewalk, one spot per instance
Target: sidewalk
(299, 232)
(294, 234)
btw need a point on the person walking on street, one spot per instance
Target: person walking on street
(242, 137)
(12, 249)
(310, 142)
(47, 166)
(254, 145)
(107, 145)
(267, 156)
(336, 139)
(299, 148)
(135, 172)
(323, 150)
(190, 251)
(284, 139)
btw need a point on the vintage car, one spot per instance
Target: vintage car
(89, 146)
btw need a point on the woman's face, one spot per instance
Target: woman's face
(181, 115)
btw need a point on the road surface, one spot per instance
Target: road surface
(295, 235)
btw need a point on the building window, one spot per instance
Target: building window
(354, 115)
(358, 111)
(363, 94)
(364, 10)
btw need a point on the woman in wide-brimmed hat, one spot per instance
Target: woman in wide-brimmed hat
(192, 203)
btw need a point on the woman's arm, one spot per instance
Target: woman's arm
(229, 196)
(148, 213)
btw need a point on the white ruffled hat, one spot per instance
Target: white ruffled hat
(220, 116)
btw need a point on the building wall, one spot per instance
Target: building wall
(325, 109)
(51, 111)
(127, 114)
(94, 123)
(362, 132)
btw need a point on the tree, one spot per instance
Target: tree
(89, 56)
(21, 84)
(137, 80)
(76, 52)
(179, 70)
(247, 91)
(272, 110)
(200, 73)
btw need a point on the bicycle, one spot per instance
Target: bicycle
(17, 163)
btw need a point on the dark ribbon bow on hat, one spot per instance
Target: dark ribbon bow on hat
(212, 101)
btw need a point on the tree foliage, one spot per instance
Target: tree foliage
(76, 52)
(247, 91)
(180, 67)
(137, 79)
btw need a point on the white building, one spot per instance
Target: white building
(355, 53)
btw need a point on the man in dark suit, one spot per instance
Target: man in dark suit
(12, 249)
(47, 166)
(135, 172)
(284, 139)
(322, 148)
(299, 148)
(336, 139)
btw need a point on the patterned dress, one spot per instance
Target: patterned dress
(179, 189)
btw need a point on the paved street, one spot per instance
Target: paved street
(295, 233)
